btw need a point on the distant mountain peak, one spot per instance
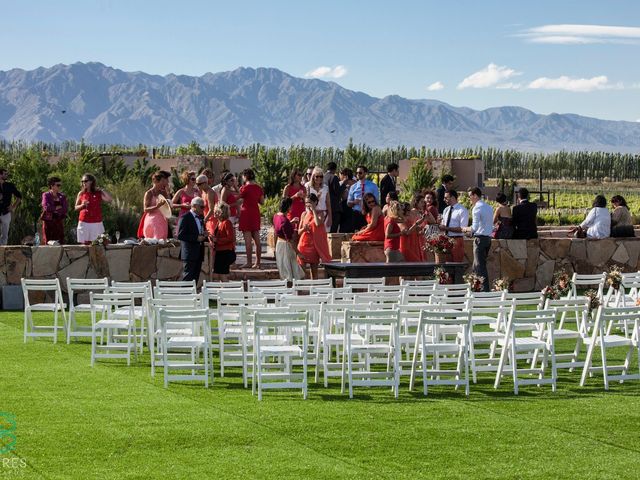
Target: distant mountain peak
(103, 104)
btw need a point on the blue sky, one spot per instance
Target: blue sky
(548, 56)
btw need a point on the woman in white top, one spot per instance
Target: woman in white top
(598, 221)
(317, 187)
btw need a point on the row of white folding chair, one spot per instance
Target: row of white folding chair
(44, 287)
(184, 341)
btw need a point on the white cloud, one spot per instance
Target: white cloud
(571, 34)
(338, 71)
(434, 87)
(489, 76)
(569, 84)
(509, 86)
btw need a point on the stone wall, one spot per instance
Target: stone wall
(118, 262)
(530, 264)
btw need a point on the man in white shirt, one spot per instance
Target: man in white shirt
(454, 218)
(481, 230)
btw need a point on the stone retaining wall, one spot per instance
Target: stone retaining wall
(530, 264)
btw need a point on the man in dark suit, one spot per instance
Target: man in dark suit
(388, 183)
(447, 184)
(524, 217)
(191, 236)
(332, 181)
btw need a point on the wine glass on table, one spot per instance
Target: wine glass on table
(117, 236)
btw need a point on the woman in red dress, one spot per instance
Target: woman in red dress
(252, 197)
(231, 196)
(374, 230)
(313, 245)
(89, 204)
(182, 198)
(393, 233)
(296, 191)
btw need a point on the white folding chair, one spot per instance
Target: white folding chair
(607, 341)
(373, 350)
(247, 318)
(417, 294)
(409, 320)
(186, 303)
(397, 289)
(305, 286)
(487, 315)
(627, 295)
(174, 291)
(269, 288)
(142, 293)
(583, 281)
(117, 316)
(362, 284)
(452, 289)
(45, 287)
(314, 290)
(84, 285)
(273, 364)
(175, 283)
(432, 341)
(541, 338)
(574, 310)
(195, 339)
(230, 325)
(331, 340)
(210, 292)
(418, 283)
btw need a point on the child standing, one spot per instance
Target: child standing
(224, 241)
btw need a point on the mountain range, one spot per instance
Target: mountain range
(102, 104)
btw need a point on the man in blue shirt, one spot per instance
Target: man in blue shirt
(481, 230)
(357, 191)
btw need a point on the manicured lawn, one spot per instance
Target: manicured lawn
(115, 421)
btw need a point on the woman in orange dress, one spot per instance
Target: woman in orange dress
(374, 231)
(410, 244)
(313, 245)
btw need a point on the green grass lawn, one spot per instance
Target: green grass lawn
(115, 421)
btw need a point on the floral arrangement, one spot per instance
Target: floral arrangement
(440, 244)
(501, 285)
(475, 281)
(562, 282)
(101, 240)
(614, 277)
(550, 292)
(594, 300)
(442, 276)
